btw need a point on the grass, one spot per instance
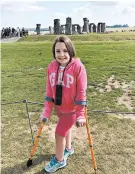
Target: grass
(90, 37)
(23, 76)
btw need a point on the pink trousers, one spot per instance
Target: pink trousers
(66, 121)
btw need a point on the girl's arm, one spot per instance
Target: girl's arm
(80, 99)
(48, 104)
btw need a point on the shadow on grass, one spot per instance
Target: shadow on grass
(21, 168)
(41, 172)
(44, 172)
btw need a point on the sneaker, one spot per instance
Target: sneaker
(68, 153)
(54, 165)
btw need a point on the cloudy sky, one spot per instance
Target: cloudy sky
(27, 13)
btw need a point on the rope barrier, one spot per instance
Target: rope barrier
(95, 111)
(116, 112)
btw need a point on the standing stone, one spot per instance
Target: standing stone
(103, 27)
(99, 27)
(62, 29)
(38, 28)
(68, 29)
(56, 26)
(86, 25)
(76, 29)
(79, 29)
(73, 29)
(92, 28)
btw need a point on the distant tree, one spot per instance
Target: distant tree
(117, 26)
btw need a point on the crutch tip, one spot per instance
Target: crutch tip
(24, 101)
(29, 163)
(95, 170)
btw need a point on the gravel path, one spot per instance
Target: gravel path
(9, 40)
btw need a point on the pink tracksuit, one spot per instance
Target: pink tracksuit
(73, 94)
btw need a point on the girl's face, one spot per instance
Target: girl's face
(61, 53)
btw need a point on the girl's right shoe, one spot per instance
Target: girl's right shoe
(68, 153)
(54, 165)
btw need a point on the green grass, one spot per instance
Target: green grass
(23, 76)
(90, 37)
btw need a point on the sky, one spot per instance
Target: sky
(28, 13)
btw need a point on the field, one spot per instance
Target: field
(127, 29)
(110, 64)
(115, 36)
(122, 29)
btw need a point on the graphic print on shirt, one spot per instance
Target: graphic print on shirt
(69, 79)
(52, 79)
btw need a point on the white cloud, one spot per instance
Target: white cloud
(15, 1)
(81, 12)
(77, 15)
(81, 9)
(31, 8)
(124, 8)
(21, 7)
(104, 3)
(111, 12)
(61, 16)
(129, 10)
(70, 0)
(24, 7)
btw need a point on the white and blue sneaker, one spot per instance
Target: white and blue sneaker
(68, 153)
(54, 165)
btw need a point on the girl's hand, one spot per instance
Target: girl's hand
(43, 118)
(80, 122)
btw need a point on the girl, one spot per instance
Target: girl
(66, 91)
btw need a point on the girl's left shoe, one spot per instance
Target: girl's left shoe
(68, 153)
(54, 165)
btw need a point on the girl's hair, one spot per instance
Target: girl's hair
(69, 45)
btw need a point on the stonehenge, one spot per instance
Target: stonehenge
(70, 28)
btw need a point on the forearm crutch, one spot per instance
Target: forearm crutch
(29, 162)
(90, 141)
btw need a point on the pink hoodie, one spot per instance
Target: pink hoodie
(74, 89)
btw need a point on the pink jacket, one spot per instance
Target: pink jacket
(74, 89)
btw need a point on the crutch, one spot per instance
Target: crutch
(90, 141)
(29, 162)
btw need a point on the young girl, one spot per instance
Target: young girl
(66, 91)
